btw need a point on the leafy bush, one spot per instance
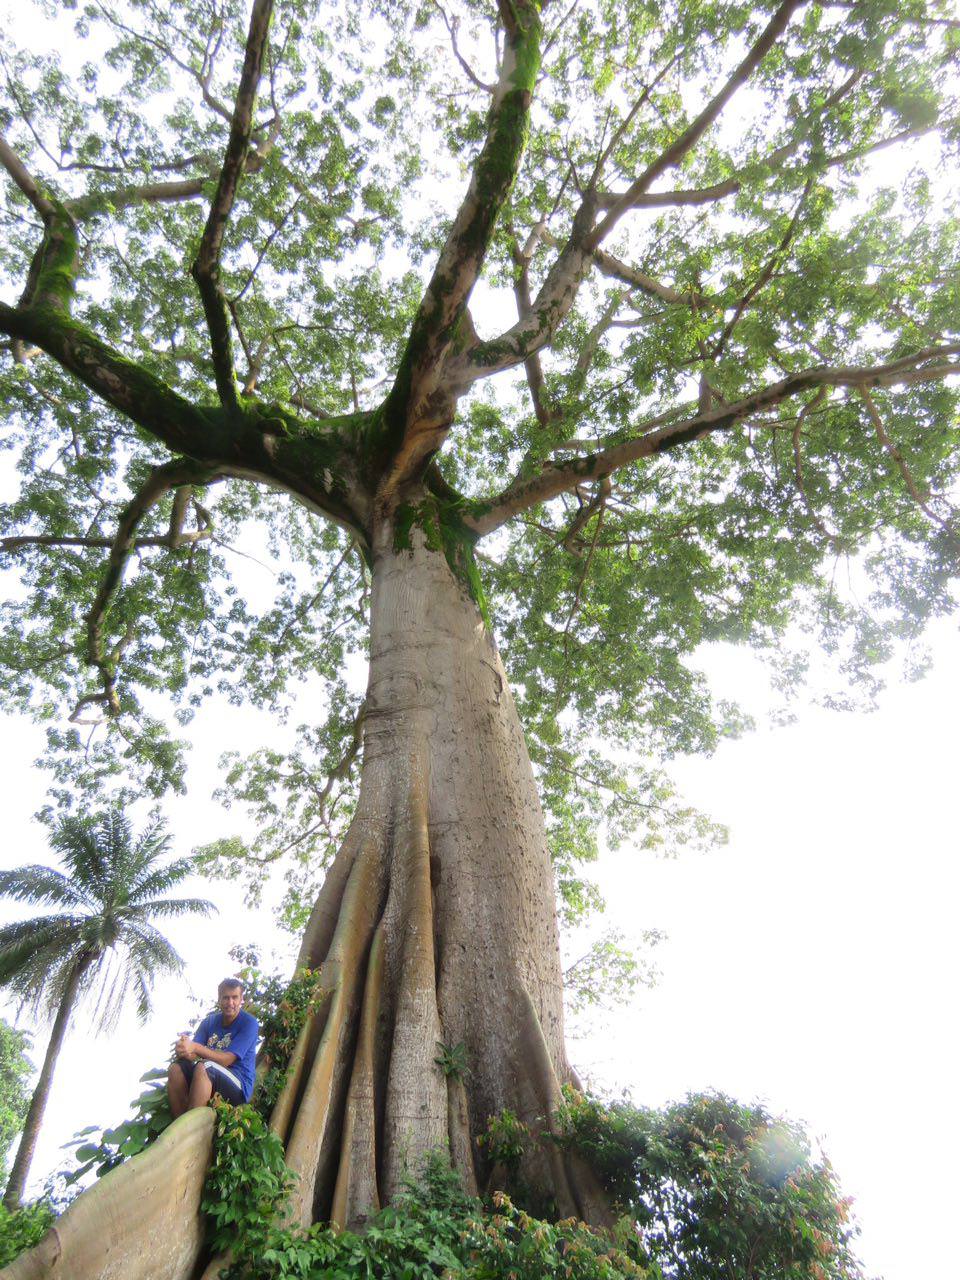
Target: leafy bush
(717, 1189)
(433, 1230)
(504, 1139)
(151, 1115)
(23, 1228)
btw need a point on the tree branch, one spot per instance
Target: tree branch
(765, 274)
(419, 408)
(160, 481)
(661, 434)
(206, 268)
(615, 269)
(18, 172)
(532, 366)
(811, 405)
(267, 442)
(21, 541)
(586, 513)
(452, 26)
(562, 283)
(670, 158)
(774, 161)
(919, 497)
(126, 386)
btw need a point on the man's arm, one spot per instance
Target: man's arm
(223, 1058)
(197, 1048)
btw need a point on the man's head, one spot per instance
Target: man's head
(230, 998)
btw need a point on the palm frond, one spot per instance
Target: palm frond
(36, 971)
(117, 885)
(113, 985)
(75, 840)
(168, 907)
(157, 880)
(39, 933)
(154, 844)
(152, 951)
(143, 995)
(38, 884)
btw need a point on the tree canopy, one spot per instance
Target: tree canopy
(693, 355)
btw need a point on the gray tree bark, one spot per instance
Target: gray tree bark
(436, 925)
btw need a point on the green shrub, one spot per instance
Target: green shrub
(23, 1228)
(504, 1139)
(151, 1115)
(717, 1189)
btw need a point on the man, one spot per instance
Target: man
(221, 1057)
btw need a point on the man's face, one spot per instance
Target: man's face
(230, 999)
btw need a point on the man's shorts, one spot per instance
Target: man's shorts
(224, 1082)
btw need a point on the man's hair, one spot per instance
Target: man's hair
(229, 984)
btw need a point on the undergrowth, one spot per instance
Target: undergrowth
(705, 1190)
(433, 1230)
(22, 1228)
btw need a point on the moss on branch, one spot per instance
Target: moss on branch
(445, 531)
(417, 396)
(55, 271)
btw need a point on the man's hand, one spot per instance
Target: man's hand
(185, 1047)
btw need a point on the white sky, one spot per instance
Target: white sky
(811, 963)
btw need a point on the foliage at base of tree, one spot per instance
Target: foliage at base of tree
(433, 1229)
(707, 1188)
(23, 1228)
(717, 1188)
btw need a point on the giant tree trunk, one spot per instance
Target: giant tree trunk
(38, 1103)
(436, 924)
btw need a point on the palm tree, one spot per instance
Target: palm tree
(103, 937)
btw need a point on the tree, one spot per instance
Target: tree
(15, 1071)
(269, 278)
(113, 888)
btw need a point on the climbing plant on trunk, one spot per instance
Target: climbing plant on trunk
(539, 344)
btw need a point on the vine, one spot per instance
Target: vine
(281, 1006)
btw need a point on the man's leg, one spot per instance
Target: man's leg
(200, 1087)
(177, 1090)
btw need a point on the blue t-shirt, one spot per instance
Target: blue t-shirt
(239, 1038)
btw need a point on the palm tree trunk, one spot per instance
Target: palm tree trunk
(31, 1128)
